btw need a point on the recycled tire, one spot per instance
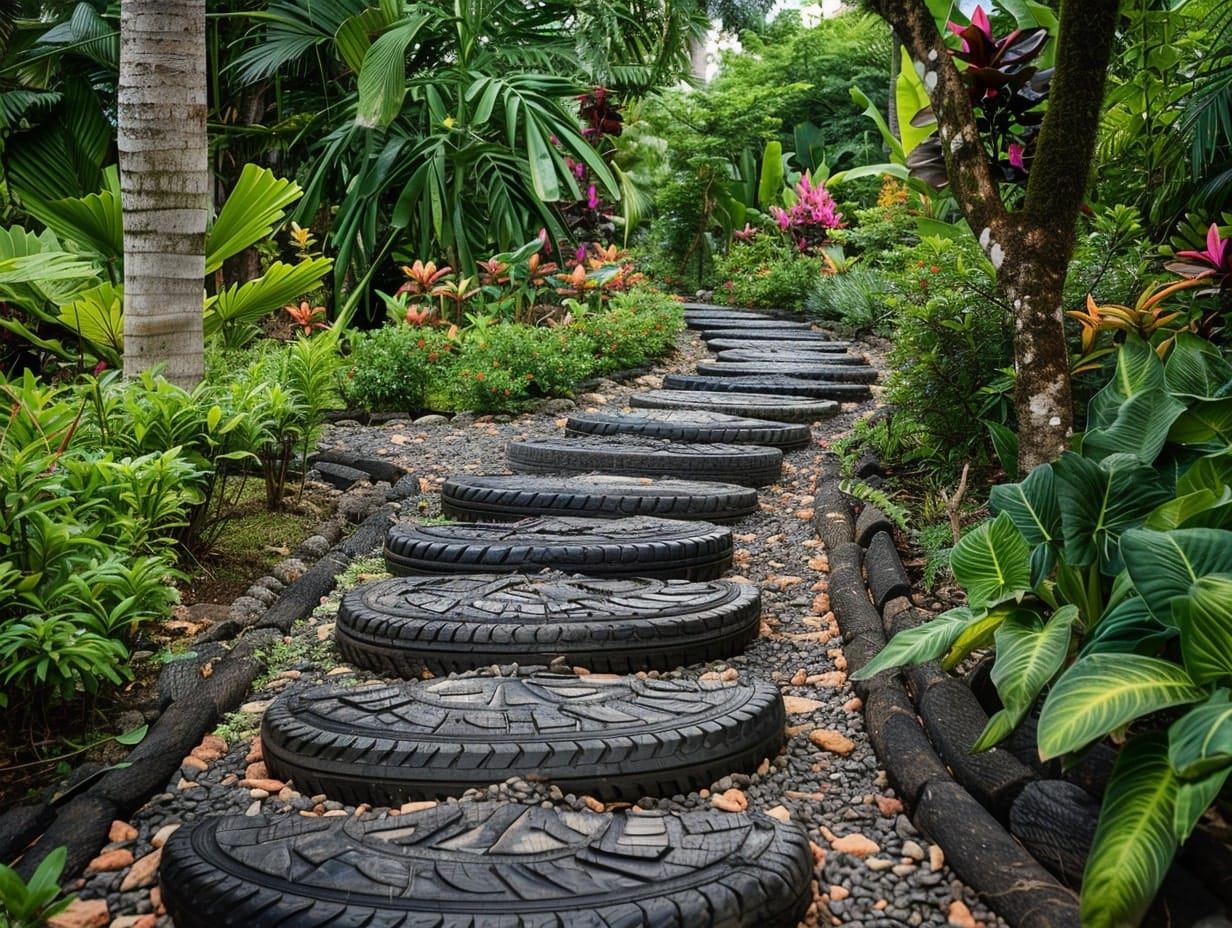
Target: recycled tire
(608, 625)
(769, 322)
(692, 425)
(761, 405)
(710, 319)
(833, 372)
(792, 355)
(465, 865)
(821, 346)
(616, 737)
(508, 498)
(640, 546)
(771, 335)
(780, 384)
(639, 456)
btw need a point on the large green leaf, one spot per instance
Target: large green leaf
(1030, 651)
(1032, 504)
(1193, 798)
(1138, 370)
(93, 222)
(771, 179)
(911, 96)
(382, 80)
(1127, 628)
(257, 204)
(895, 147)
(1101, 692)
(1210, 472)
(1205, 423)
(1164, 565)
(1200, 509)
(1134, 842)
(1140, 427)
(1200, 742)
(243, 305)
(1196, 368)
(1100, 501)
(97, 315)
(992, 562)
(1205, 620)
(922, 643)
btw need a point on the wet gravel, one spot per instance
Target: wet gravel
(827, 779)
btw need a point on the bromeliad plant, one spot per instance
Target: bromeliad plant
(1104, 584)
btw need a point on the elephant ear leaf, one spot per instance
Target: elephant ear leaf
(1200, 742)
(1164, 565)
(992, 562)
(1204, 617)
(922, 643)
(1134, 840)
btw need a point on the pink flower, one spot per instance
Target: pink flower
(979, 19)
(781, 217)
(592, 198)
(1016, 152)
(580, 255)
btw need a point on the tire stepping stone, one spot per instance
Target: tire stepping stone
(640, 456)
(610, 625)
(461, 866)
(694, 425)
(811, 345)
(769, 335)
(615, 737)
(838, 373)
(637, 546)
(775, 406)
(506, 498)
(770, 383)
(792, 355)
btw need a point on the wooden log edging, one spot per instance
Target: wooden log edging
(977, 845)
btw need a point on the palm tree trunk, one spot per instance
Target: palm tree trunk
(165, 184)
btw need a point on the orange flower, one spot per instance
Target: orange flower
(423, 277)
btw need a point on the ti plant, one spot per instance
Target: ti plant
(1104, 584)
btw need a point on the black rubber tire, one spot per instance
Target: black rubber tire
(834, 372)
(769, 335)
(819, 346)
(639, 546)
(711, 320)
(608, 625)
(1055, 821)
(692, 425)
(786, 325)
(781, 384)
(789, 355)
(639, 456)
(472, 865)
(760, 405)
(612, 736)
(508, 498)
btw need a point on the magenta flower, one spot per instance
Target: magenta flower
(592, 198)
(1016, 153)
(1216, 259)
(979, 19)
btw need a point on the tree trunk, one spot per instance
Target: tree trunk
(1030, 248)
(165, 185)
(698, 55)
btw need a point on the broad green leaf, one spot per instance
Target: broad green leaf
(93, 222)
(382, 79)
(1138, 370)
(1210, 472)
(1205, 422)
(1100, 501)
(1140, 427)
(1164, 565)
(897, 154)
(1127, 628)
(992, 562)
(1030, 651)
(1005, 443)
(1200, 509)
(1200, 741)
(1193, 798)
(135, 736)
(246, 304)
(97, 315)
(1134, 841)
(1196, 368)
(1032, 504)
(257, 204)
(915, 645)
(911, 97)
(1205, 620)
(771, 183)
(1101, 692)
(979, 634)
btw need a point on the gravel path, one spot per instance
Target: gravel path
(873, 868)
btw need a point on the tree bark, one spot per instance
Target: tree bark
(165, 185)
(1031, 247)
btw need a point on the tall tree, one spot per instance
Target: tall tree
(1030, 246)
(165, 184)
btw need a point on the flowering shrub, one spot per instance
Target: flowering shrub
(766, 272)
(811, 217)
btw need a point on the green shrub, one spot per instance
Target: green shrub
(768, 272)
(637, 327)
(853, 303)
(399, 368)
